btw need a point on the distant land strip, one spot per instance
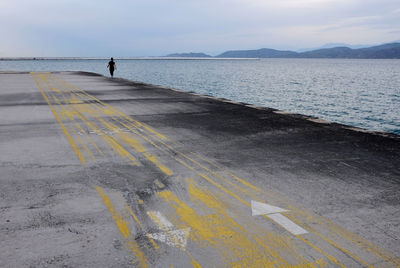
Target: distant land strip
(385, 51)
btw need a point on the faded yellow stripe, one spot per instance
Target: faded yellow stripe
(140, 124)
(137, 145)
(121, 223)
(254, 197)
(89, 138)
(344, 233)
(67, 134)
(83, 144)
(330, 257)
(157, 162)
(223, 234)
(275, 244)
(123, 227)
(133, 214)
(337, 229)
(331, 242)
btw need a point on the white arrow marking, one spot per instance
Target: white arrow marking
(272, 212)
(258, 208)
(175, 238)
(287, 224)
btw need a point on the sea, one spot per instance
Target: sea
(357, 92)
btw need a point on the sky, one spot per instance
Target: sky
(129, 28)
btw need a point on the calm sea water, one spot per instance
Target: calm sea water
(362, 93)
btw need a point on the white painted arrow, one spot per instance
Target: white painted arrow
(169, 235)
(272, 212)
(258, 208)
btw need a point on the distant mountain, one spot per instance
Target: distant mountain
(386, 51)
(259, 53)
(189, 55)
(332, 45)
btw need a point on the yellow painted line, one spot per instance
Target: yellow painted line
(145, 126)
(330, 257)
(66, 112)
(194, 262)
(200, 165)
(331, 242)
(89, 138)
(83, 144)
(135, 144)
(155, 245)
(249, 205)
(243, 201)
(254, 197)
(140, 124)
(233, 175)
(133, 214)
(121, 223)
(224, 234)
(353, 238)
(311, 230)
(118, 148)
(67, 134)
(344, 233)
(123, 227)
(228, 191)
(271, 242)
(157, 162)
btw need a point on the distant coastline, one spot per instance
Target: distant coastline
(385, 51)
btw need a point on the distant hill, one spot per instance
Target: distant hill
(189, 55)
(259, 53)
(332, 45)
(386, 51)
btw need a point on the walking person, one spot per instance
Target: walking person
(111, 66)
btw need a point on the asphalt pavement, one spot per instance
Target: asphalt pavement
(102, 172)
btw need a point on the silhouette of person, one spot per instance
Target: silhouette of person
(111, 66)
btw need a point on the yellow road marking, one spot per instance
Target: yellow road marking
(331, 242)
(82, 143)
(133, 214)
(67, 134)
(135, 144)
(123, 227)
(324, 222)
(223, 234)
(89, 138)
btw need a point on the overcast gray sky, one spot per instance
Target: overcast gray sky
(158, 27)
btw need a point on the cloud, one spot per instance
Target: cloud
(152, 27)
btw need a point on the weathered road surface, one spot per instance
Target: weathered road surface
(97, 172)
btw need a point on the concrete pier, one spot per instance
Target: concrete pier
(101, 172)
